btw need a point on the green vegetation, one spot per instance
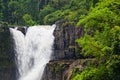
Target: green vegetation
(101, 41)
(28, 20)
(15, 12)
(101, 21)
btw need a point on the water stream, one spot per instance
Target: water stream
(33, 50)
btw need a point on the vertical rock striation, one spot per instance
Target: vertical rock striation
(65, 36)
(63, 64)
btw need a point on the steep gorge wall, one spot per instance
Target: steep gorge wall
(65, 54)
(65, 36)
(7, 64)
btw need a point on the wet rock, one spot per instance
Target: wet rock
(7, 56)
(8, 73)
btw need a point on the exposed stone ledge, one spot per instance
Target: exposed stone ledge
(63, 69)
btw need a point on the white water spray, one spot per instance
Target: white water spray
(33, 50)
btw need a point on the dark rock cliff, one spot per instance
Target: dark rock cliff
(65, 53)
(64, 44)
(7, 64)
(64, 69)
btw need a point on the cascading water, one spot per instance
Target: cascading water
(33, 50)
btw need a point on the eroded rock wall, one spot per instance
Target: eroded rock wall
(64, 44)
(64, 69)
(65, 54)
(7, 64)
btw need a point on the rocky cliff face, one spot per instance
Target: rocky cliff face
(64, 69)
(65, 36)
(55, 69)
(7, 64)
(63, 64)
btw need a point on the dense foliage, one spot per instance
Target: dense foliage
(31, 12)
(101, 41)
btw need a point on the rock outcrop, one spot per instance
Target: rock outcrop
(64, 69)
(65, 36)
(65, 54)
(8, 73)
(7, 62)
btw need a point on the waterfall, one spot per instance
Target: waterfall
(33, 50)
